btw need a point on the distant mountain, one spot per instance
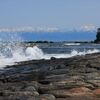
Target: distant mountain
(60, 36)
(50, 36)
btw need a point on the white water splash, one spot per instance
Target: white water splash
(34, 52)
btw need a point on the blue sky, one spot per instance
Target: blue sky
(61, 14)
(51, 13)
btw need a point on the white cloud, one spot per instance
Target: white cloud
(88, 27)
(29, 29)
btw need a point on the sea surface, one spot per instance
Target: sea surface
(11, 53)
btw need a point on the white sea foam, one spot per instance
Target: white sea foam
(68, 44)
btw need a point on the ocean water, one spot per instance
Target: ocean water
(11, 53)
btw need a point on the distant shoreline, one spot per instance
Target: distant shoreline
(48, 41)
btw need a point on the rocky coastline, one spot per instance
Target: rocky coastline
(76, 78)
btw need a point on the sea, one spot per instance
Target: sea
(13, 52)
(14, 49)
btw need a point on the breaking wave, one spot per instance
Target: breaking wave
(73, 53)
(13, 56)
(13, 51)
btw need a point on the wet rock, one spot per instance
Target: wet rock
(53, 58)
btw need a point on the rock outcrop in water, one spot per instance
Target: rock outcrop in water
(98, 36)
(76, 78)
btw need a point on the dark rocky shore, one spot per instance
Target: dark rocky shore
(76, 78)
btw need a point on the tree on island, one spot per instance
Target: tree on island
(98, 36)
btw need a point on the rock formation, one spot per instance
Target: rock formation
(98, 36)
(76, 78)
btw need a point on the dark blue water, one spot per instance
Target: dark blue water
(58, 48)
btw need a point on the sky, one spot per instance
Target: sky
(51, 14)
(62, 14)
